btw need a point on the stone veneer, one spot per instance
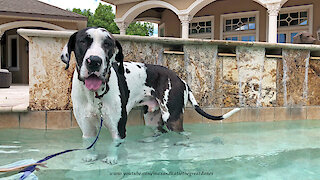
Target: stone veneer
(49, 82)
(266, 88)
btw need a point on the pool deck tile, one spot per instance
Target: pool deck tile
(9, 120)
(58, 119)
(65, 119)
(266, 114)
(249, 114)
(298, 113)
(33, 120)
(74, 123)
(191, 116)
(214, 112)
(282, 113)
(313, 112)
(234, 118)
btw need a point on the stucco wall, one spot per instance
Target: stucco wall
(121, 9)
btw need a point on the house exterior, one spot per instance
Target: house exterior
(241, 20)
(33, 14)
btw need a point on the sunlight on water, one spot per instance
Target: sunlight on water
(271, 150)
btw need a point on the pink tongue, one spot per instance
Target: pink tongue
(93, 83)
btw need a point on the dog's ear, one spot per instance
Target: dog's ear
(301, 35)
(68, 48)
(119, 57)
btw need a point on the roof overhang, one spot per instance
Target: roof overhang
(33, 15)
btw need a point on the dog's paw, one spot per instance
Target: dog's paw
(111, 160)
(90, 157)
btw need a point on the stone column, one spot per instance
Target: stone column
(122, 26)
(185, 20)
(273, 11)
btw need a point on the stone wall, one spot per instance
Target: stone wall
(245, 78)
(49, 82)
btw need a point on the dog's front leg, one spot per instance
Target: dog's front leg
(112, 156)
(91, 154)
(89, 131)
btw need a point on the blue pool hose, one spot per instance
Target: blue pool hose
(28, 170)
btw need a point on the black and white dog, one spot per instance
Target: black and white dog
(104, 85)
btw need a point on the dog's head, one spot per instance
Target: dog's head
(95, 50)
(303, 37)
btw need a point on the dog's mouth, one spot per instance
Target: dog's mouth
(93, 82)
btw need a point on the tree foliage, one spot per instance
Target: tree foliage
(104, 17)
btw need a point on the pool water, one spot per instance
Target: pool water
(247, 150)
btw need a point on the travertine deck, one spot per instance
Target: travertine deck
(14, 99)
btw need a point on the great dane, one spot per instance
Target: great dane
(303, 37)
(103, 85)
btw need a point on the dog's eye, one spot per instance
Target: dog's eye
(107, 43)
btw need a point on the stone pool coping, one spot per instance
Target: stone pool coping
(169, 40)
(65, 119)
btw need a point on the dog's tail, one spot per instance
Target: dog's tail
(206, 115)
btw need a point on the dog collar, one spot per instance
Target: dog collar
(106, 88)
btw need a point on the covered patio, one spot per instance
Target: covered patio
(246, 20)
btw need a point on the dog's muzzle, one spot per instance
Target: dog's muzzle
(93, 64)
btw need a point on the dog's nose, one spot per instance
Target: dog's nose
(94, 63)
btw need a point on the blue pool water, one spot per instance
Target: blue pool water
(251, 150)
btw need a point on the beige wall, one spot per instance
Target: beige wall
(232, 6)
(172, 24)
(121, 9)
(180, 4)
(217, 8)
(150, 13)
(23, 74)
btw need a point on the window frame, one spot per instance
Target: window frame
(296, 28)
(203, 35)
(238, 34)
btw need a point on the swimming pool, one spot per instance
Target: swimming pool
(246, 150)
